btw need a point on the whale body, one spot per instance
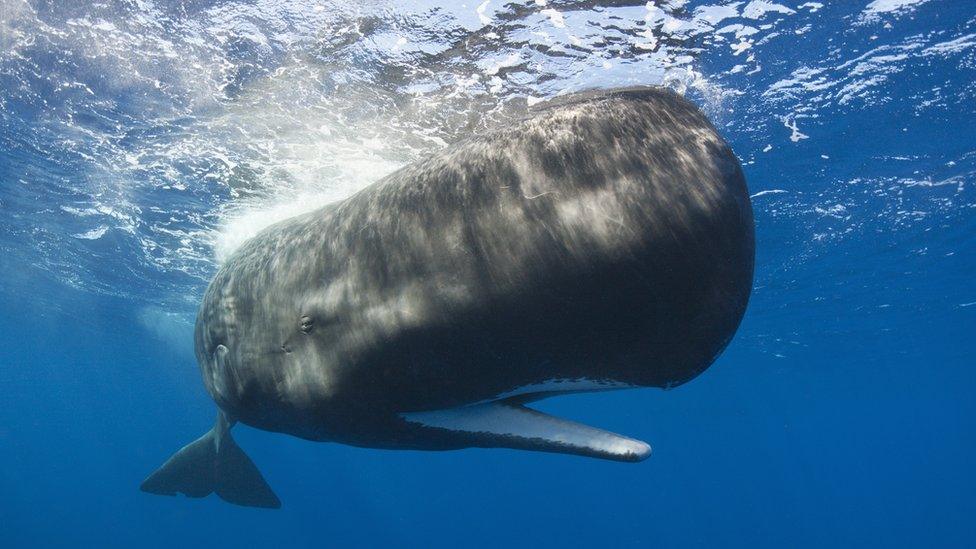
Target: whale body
(605, 241)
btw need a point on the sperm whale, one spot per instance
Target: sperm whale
(605, 241)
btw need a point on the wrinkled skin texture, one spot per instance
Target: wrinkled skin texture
(607, 237)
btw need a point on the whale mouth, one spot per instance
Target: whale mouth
(509, 424)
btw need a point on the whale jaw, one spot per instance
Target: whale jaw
(509, 424)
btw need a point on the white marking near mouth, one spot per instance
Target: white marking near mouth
(564, 385)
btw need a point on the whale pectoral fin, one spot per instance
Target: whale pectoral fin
(504, 424)
(213, 463)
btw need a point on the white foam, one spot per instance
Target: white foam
(93, 234)
(759, 8)
(555, 18)
(877, 8)
(480, 10)
(246, 219)
(795, 135)
(952, 46)
(770, 191)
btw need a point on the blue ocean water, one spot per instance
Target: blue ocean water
(141, 142)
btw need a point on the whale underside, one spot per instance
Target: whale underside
(604, 242)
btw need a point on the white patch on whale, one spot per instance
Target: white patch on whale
(565, 386)
(496, 423)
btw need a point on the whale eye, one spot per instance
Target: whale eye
(307, 324)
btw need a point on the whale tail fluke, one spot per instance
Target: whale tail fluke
(213, 463)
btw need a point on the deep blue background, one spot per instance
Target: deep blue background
(848, 440)
(842, 414)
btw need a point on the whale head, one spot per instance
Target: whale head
(260, 354)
